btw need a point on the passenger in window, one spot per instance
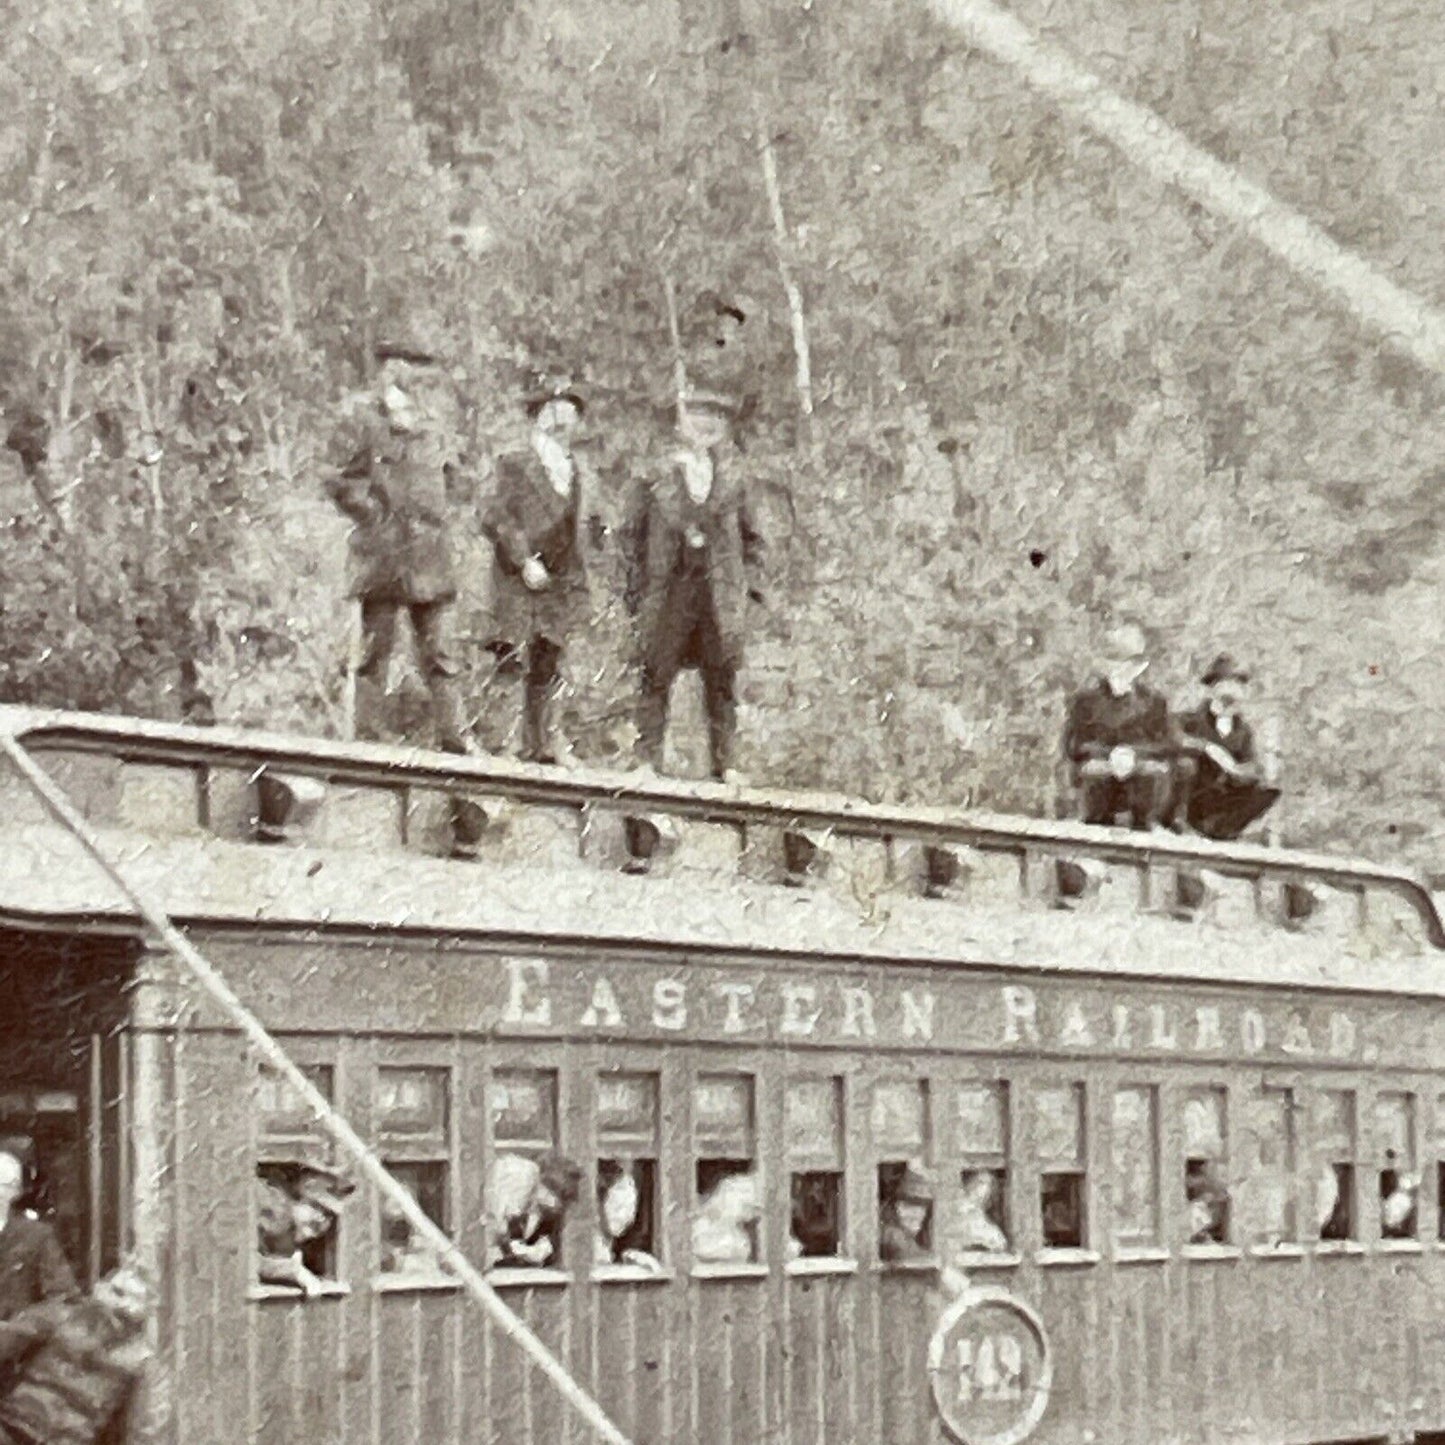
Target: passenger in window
(402, 1251)
(817, 1227)
(978, 1222)
(1208, 1201)
(527, 1203)
(905, 1217)
(296, 1216)
(1332, 1201)
(725, 1230)
(1398, 1193)
(619, 1201)
(33, 1266)
(76, 1363)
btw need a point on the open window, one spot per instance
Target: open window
(905, 1188)
(981, 1220)
(1134, 1140)
(1206, 1166)
(729, 1197)
(1334, 1141)
(527, 1194)
(628, 1213)
(412, 1107)
(1059, 1143)
(300, 1197)
(1399, 1184)
(814, 1144)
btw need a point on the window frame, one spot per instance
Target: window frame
(1093, 1126)
(994, 1075)
(1406, 1089)
(881, 1152)
(308, 1053)
(1156, 1243)
(757, 1071)
(1360, 1097)
(621, 1150)
(1227, 1092)
(537, 1056)
(431, 1147)
(833, 1162)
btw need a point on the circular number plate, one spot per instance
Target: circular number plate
(990, 1368)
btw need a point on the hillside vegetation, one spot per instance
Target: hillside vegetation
(1042, 389)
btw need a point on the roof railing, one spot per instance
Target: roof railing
(1066, 862)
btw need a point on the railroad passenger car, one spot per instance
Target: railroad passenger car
(1189, 1156)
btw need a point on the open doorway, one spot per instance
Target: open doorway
(62, 1105)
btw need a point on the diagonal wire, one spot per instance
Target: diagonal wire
(351, 1143)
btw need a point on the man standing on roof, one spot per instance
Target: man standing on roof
(540, 520)
(1119, 738)
(692, 548)
(1226, 792)
(393, 487)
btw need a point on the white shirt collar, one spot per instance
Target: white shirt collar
(556, 459)
(697, 474)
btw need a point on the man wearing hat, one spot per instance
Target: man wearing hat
(904, 1217)
(691, 549)
(297, 1209)
(393, 487)
(1226, 792)
(1119, 738)
(544, 497)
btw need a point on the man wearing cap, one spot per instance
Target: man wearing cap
(1226, 792)
(544, 499)
(691, 549)
(393, 487)
(1119, 738)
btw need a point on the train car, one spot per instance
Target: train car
(1173, 1112)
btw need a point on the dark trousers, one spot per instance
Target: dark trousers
(431, 627)
(544, 659)
(1222, 808)
(1142, 799)
(690, 637)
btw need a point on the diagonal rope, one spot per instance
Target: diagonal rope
(346, 1138)
(1165, 154)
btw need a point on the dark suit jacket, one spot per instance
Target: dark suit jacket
(1099, 721)
(394, 488)
(33, 1266)
(659, 520)
(1201, 723)
(528, 518)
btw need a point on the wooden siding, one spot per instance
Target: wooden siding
(1223, 1345)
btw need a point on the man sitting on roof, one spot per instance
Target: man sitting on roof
(1226, 792)
(1119, 738)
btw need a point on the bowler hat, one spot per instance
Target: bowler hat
(916, 1187)
(399, 346)
(1224, 669)
(554, 388)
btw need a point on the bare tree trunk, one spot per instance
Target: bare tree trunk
(798, 317)
(679, 365)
